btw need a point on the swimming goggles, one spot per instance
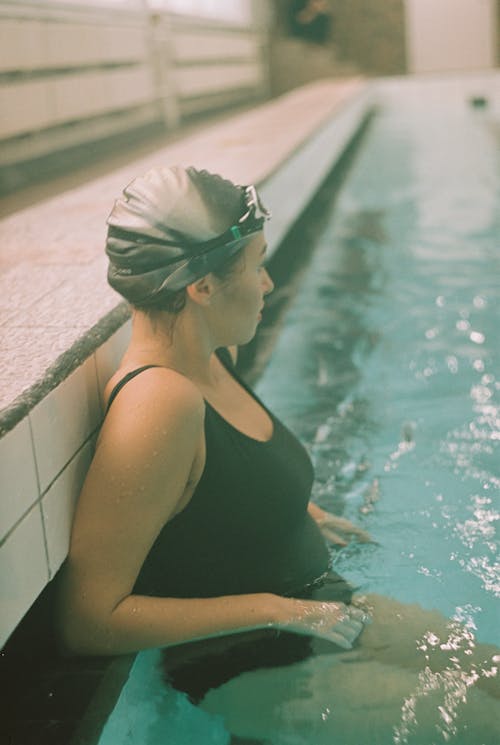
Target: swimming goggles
(206, 256)
(250, 222)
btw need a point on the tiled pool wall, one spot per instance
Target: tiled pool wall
(43, 462)
(45, 456)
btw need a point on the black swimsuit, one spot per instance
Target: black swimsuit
(246, 529)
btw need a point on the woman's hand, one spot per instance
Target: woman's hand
(335, 622)
(335, 529)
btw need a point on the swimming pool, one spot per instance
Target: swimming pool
(387, 368)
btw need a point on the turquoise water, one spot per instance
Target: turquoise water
(389, 364)
(387, 367)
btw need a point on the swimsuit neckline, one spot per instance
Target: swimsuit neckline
(243, 434)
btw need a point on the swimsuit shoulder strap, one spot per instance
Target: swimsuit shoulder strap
(129, 376)
(223, 354)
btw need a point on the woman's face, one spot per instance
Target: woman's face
(239, 300)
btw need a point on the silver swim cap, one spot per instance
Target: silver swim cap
(175, 225)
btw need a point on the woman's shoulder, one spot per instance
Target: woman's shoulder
(154, 390)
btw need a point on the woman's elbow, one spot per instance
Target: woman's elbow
(81, 630)
(78, 635)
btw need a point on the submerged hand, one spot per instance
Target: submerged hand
(338, 530)
(335, 622)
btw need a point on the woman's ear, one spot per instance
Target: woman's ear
(201, 291)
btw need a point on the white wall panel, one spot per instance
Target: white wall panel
(189, 46)
(73, 44)
(197, 81)
(89, 94)
(24, 107)
(125, 43)
(130, 87)
(31, 44)
(23, 44)
(79, 96)
(446, 35)
(54, 99)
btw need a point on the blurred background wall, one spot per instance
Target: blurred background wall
(79, 80)
(381, 37)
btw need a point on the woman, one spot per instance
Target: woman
(187, 250)
(194, 522)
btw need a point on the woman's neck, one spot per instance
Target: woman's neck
(178, 342)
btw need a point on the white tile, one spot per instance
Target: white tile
(109, 355)
(18, 481)
(63, 420)
(23, 571)
(58, 506)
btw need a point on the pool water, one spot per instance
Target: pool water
(389, 364)
(387, 367)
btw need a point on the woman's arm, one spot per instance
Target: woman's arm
(148, 459)
(335, 529)
(150, 445)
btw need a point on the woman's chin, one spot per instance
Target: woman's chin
(243, 338)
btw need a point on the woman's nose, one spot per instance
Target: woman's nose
(267, 282)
